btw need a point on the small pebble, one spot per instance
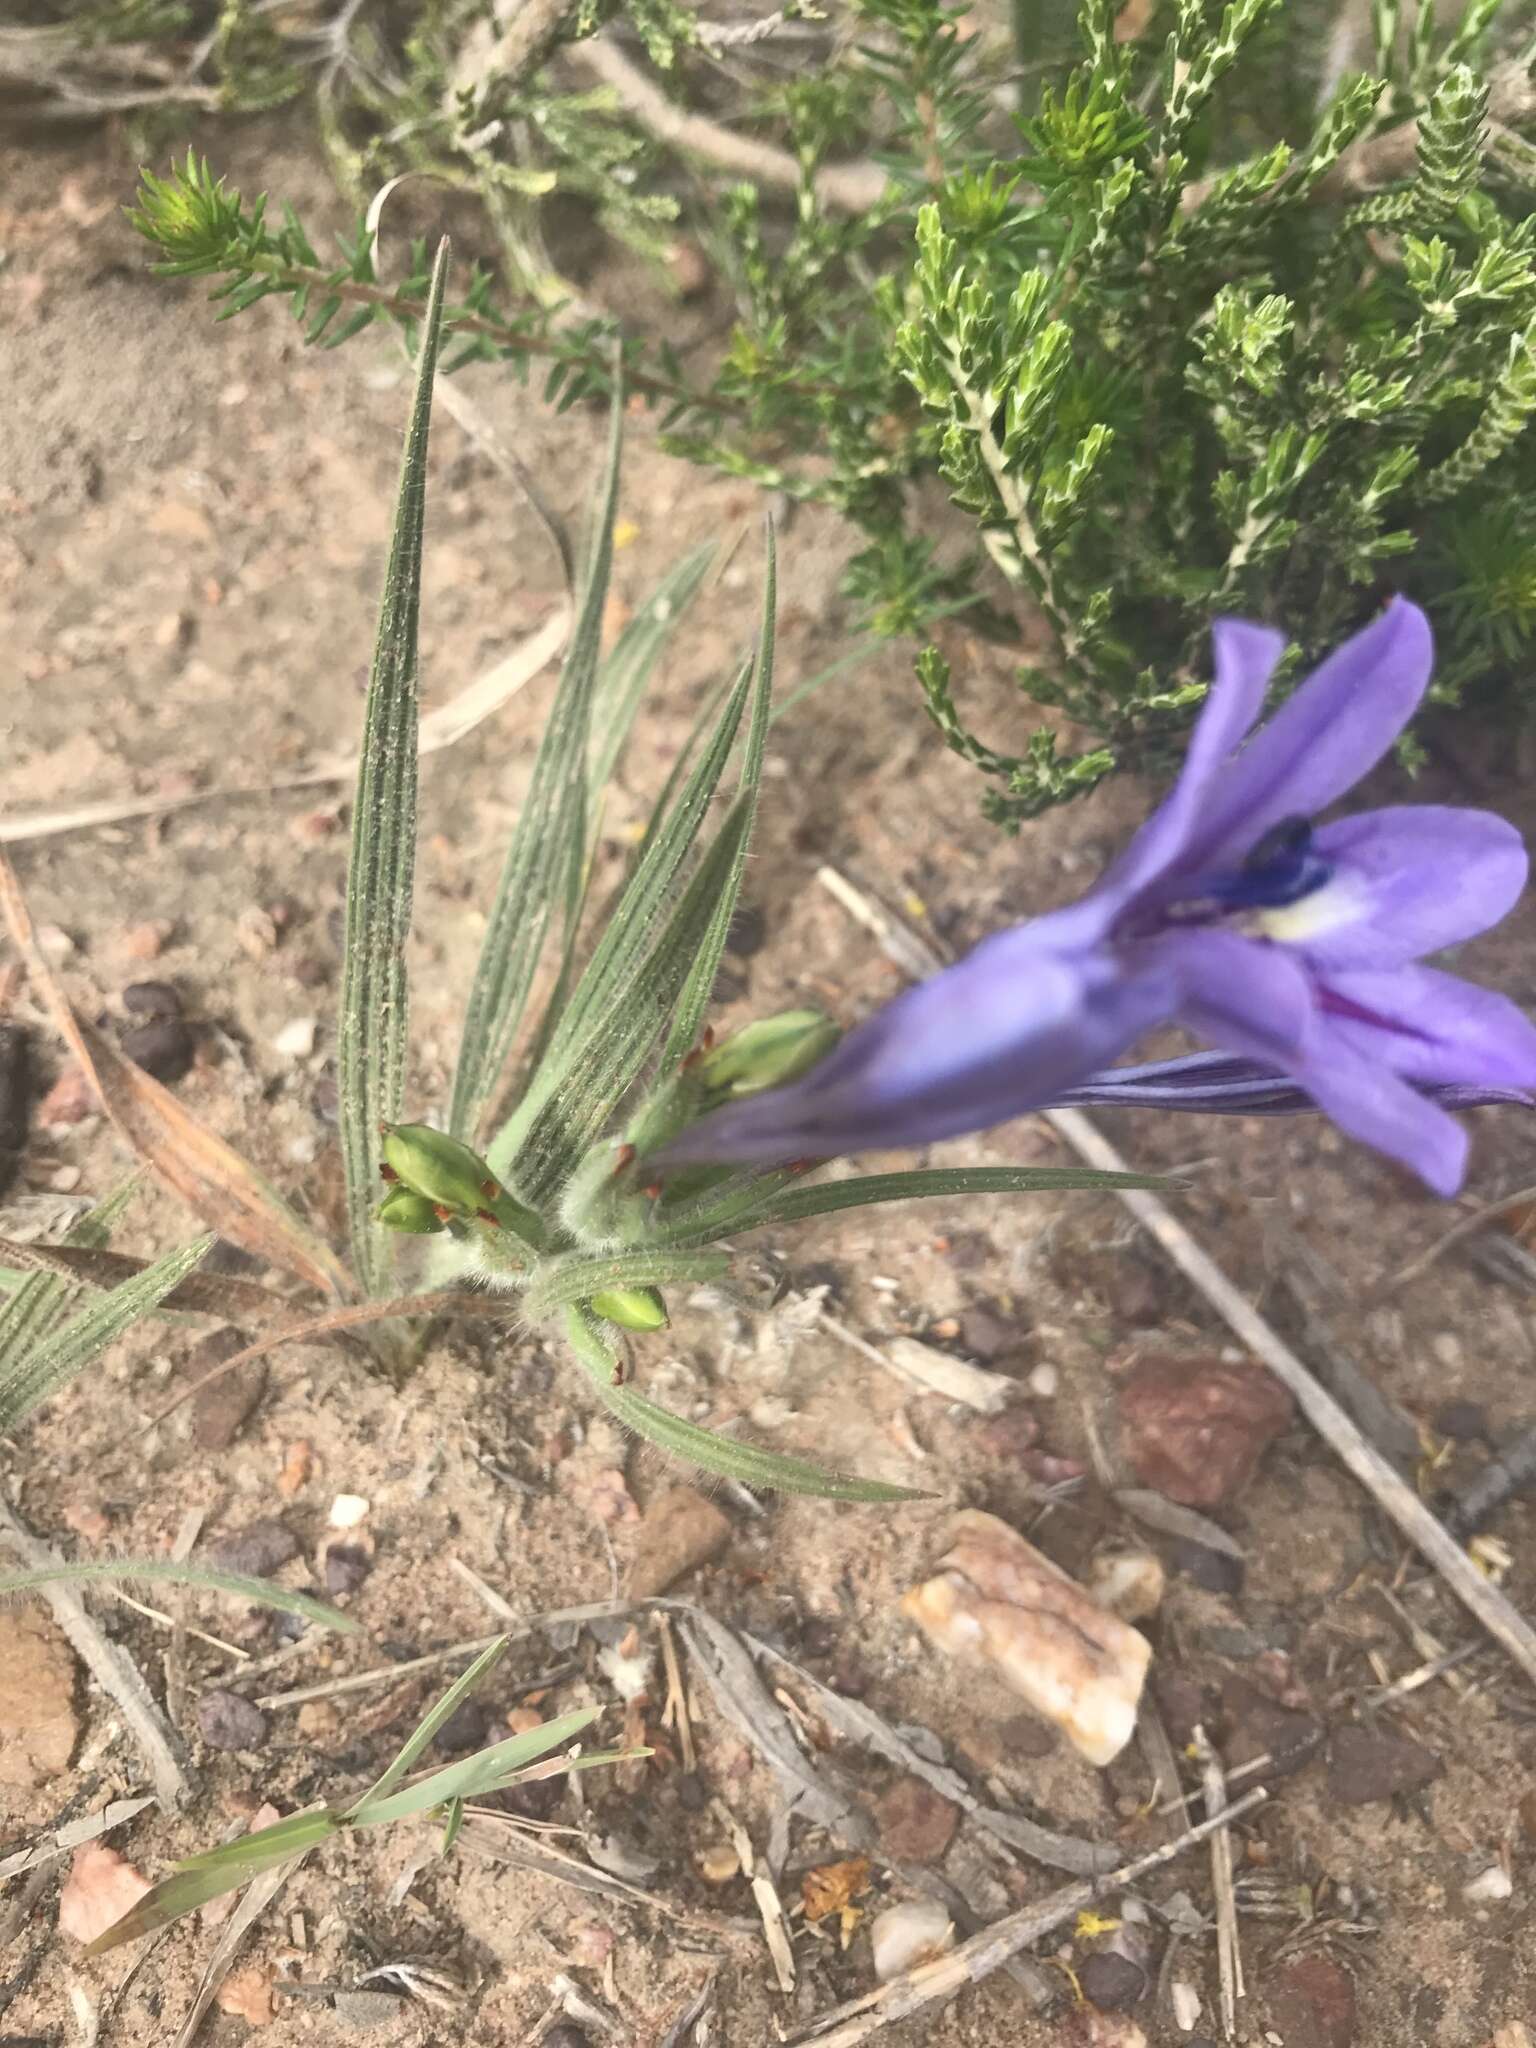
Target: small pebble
(348, 1510)
(1185, 2000)
(257, 1550)
(985, 1336)
(146, 941)
(523, 1720)
(152, 999)
(719, 1864)
(70, 1100)
(296, 1041)
(1195, 1428)
(228, 1721)
(1043, 1382)
(164, 1048)
(680, 1530)
(222, 1408)
(318, 1721)
(1213, 1570)
(1113, 1983)
(344, 1567)
(903, 1936)
(54, 943)
(566, 2036)
(1489, 1886)
(916, 1823)
(365, 2010)
(1310, 2003)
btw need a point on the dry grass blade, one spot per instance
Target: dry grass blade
(208, 1174)
(109, 1665)
(976, 1959)
(311, 1329)
(62, 1841)
(199, 1294)
(1229, 1956)
(373, 1019)
(1469, 1226)
(1392, 1494)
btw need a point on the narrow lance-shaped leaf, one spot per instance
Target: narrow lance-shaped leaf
(423, 1733)
(694, 996)
(130, 1571)
(373, 1021)
(37, 1374)
(721, 1454)
(549, 843)
(43, 1298)
(627, 670)
(475, 1775)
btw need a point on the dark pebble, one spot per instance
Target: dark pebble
(15, 1100)
(1183, 1703)
(152, 999)
(222, 1408)
(1212, 1569)
(1310, 2003)
(749, 928)
(1135, 1293)
(345, 1568)
(258, 1549)
(1112, 1983)
(463, 1730)
(1366, 1764)
(1465, 1422)
(567, 2036)
(692, 1792)
(985, 1335)
(164, 1047)
(226, 1721)
(1254, 1725)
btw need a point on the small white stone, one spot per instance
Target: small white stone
(1186, 2005)
(296, 1041)
(1129, 1583)
(348, 1510)
(903, 1936)
(1044, 1381)
(1488, 1886)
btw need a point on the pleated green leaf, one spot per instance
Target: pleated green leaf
(36, 1373)
(374, 1015)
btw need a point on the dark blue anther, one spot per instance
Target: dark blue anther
(1282, 868)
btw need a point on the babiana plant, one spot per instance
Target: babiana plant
(1190, 319)
(583, 1051)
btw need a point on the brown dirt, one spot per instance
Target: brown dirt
(193, 526)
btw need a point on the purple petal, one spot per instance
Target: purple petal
(1247, 997)
(1429, 1027)
(1334, 729)
(1408, 881)
(1245, 658)
(1368, 1101)
(1005, 1030)
(1221, 1084)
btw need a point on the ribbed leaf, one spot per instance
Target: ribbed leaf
(374, 1019)
(721, 1454)
(793, 1205)
(208, 1877)
(625, 673)
(43, 1299)
(693, 998)
(36, 1374)
(132, 1571)
(548, 849)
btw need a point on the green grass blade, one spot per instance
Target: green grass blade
(474, 1776)
(627, 670)
(38, 1373)
(417, 1741)
(42, 1300)
(131, 1571)
(793, 1205)
(374, 1020)
(720, 1454)
(547, 852)
(693, 998)
(207, 1877)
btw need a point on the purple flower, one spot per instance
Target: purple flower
(1291, 945)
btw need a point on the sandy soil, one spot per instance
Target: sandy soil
(193, 527)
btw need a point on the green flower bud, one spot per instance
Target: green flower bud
(431, 1163)
(768, 1053)
(633, 1308)
(403, 1209)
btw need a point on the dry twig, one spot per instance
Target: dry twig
(1229, 1955)
(1499, 1616)
(109, 1664)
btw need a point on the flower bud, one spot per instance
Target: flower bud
(431, 1163)
(768, 1053)
(403, 1209)
(632, 1308)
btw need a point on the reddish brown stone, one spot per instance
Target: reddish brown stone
(1195, 1428)
(917, 1824)
(1311, 2004)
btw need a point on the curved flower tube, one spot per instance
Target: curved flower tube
(1293, 946)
